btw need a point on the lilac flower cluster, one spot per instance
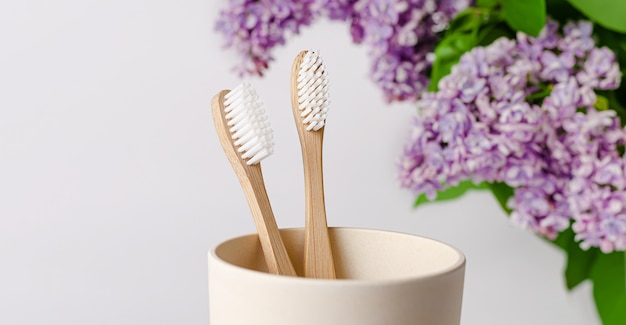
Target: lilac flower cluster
(400, 35)
(254, 27)
(521, 111)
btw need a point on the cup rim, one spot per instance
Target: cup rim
(460, 263)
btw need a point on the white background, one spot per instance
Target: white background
(113, 185)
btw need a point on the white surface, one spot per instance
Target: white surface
(113, 185)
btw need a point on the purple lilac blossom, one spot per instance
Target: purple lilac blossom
(255, 27)
(400, 34)
(562, 156)
(400, 37)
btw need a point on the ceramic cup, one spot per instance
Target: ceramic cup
(384, 278)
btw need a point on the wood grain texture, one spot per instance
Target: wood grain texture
(251, 179)
(318, 256)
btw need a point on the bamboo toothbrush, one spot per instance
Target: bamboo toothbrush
(246, 137)
(309, 100)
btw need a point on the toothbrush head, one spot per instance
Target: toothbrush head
(312, 89)
(248, 124)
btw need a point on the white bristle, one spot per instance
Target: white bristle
(248, 124)
(313, 91)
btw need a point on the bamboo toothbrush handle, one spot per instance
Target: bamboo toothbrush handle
(318, 257)
(276, 256)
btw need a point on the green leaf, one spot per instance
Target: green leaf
(451, 193)
(528, 16)
(465, 42)
(487, 3)
(538, 96)
(602, 104)
(421, 200)
(614, 103)
(617, 43)
(460, 37)
(609, 287)
(502, 192)
(463, 35)
(608, 13)
(564, 239)
(447, 54)
(563, 12)
(579, 262)
(491, 33)
(447, 50)
(465, 20)
(613, 40)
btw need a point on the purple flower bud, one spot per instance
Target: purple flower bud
(556, 67)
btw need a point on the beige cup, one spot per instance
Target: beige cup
(385, 278)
